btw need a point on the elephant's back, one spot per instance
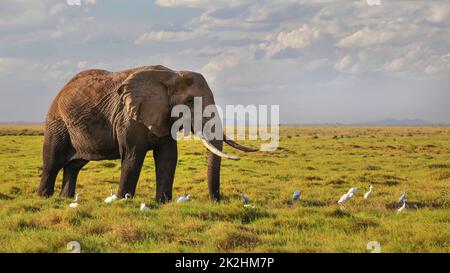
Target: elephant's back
(86, 106)
(90, 86)
(87, 91)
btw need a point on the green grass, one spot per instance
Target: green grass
(322, 162)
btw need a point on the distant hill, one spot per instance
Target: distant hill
(397, 122)
(381, 122)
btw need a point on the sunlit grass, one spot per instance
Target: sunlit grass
(322, 162)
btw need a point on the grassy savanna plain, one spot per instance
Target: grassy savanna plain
(322, 162)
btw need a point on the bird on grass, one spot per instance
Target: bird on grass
(127, 196)
(111, 198)
(344, 198)
(347, 196)
(402, 207)
(75, 202)
(245, 198)
(184, 198)
(402, 198)
(367, 194)
(352, 191)
(143, 207)
(296, 195)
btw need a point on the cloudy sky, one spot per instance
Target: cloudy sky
(322, 61)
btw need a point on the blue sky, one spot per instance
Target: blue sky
(322, 61)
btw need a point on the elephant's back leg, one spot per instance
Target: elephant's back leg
(71, 170)
(57, 151)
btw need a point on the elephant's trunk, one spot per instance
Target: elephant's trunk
(214, 171)
(215, 155)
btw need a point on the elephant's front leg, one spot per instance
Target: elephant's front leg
(131, 169)
(166, 156)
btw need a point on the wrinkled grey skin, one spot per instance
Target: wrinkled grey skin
(102, 115)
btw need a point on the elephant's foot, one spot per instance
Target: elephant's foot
(68, 189)
(215, 198)
(47, 193)
(66, 194)
(163, 198)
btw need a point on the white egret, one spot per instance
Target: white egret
(352, 191)
(111, 198)
(402, 207)
(183, 198)
(402, 198)
(347, 196)
(367, 194)
(143, 207)
(127, 196)
(75, 202)
(343, 198)
(296, 195)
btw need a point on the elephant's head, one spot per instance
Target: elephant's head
(149, 96)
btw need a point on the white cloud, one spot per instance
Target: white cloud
(32, 70)
(368, 37)
(344, 63)
(395, 65)
(57, 8)
(3, 61)
(432, 69)
(301, 37)
(416, 60)
(437, 64)
(438, 13)
(198, 3)
(316, 64)
(167, 36)
(4, 64)
(298, 38)
(347, 64)
(82, 64)
(20, 13)
(224, 62)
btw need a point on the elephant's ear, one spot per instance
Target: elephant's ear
(146, 96)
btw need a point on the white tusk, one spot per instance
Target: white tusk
(216, 151)
(235, 145)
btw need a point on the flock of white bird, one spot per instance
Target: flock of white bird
(113, 197)
(246, 199)
(351, 192)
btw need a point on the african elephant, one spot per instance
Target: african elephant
(102, 115)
